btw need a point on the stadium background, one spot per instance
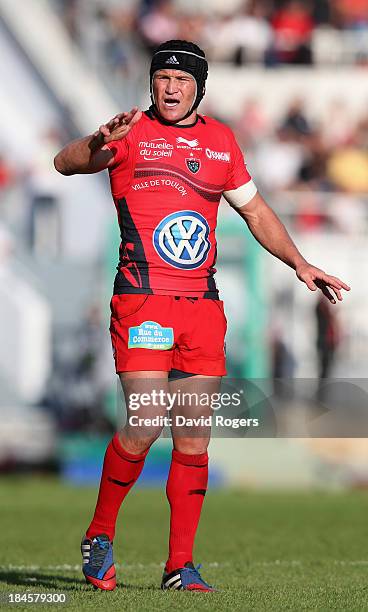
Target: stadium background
(290, 79)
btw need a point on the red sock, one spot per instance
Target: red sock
(186, 488)
(120, 471)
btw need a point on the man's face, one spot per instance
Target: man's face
(174, 92)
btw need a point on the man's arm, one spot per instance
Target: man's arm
(267, 228)
(89, 155)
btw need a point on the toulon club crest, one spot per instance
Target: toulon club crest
(193, 164)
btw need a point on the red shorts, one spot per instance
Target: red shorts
(164, 332)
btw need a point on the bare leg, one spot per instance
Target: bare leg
(145, 397)
(193, 439)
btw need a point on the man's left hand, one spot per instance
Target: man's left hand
(315, 279)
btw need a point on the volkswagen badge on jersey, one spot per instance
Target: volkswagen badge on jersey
(181, 239)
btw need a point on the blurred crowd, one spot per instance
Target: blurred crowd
(328, 154)
(267, 32)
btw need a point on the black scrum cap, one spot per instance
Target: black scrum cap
(182, 55)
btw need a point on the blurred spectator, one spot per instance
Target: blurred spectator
(43, 186)
(353, 14)
(6, 249)
(6, 174)
(277, 162)
(321, 12)
(309, 217)
(218, 38)
(159, 24)
(71, 14)
(295, 121)
(76, 389)
(283, 361)
(119, 46)
(328, 337)
(283, 368)
(252, 125)
(353, 18)
(337, 127)
(313, 169)
(146, 6)
(241, 38)
(347, 168)
(293, 27)
(362, 133)
(254, 33)
(192, 28)
(349, 214)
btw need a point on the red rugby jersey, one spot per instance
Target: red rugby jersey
(167, 183)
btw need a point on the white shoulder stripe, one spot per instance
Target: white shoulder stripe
(242, 195)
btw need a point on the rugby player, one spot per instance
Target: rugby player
(169, 167)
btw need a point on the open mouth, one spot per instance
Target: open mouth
(171, 102)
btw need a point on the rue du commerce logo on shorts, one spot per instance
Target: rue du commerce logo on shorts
(181, 239)
(152, 150)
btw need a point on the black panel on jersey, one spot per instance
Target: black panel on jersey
(212, 292)
(133, 274)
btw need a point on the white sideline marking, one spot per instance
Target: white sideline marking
(144, 566)
(75, 568)
(277, 562)
(351, 562)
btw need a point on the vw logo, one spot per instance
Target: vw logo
(181, 239)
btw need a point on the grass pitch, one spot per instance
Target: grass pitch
(264, 551)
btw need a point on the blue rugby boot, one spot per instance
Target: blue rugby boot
(98, 563)
(186, 578)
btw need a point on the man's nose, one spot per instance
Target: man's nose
(171, 86)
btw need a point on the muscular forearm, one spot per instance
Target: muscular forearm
(75, 157)
(267, 228)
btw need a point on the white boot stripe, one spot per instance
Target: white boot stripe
(176, 587)
(173, 580)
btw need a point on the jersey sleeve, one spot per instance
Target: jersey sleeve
(119, 149)
(239, 188)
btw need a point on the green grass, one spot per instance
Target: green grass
(264, 551)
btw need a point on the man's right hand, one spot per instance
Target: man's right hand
(118, 127)
(88, 155)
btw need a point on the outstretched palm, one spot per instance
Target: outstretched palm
(118, 127)
(315, 279)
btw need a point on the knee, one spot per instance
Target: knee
(191, 446)
(138, 444)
